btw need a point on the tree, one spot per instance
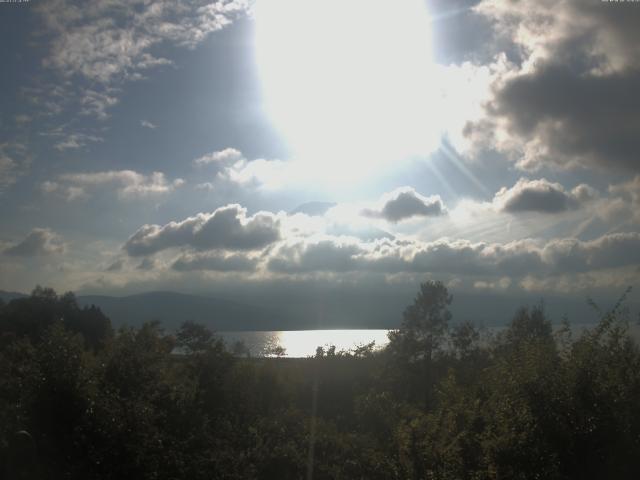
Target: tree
(31, 317)
(529, 326)
(424, 324)
(277, 351)
(194, 337)
(423, 329)
(463, 338)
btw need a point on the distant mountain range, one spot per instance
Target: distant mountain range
(295, 312)
(8, 296)
(331, 309)
(174, 308)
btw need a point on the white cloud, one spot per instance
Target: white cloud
(148, 124)
(233, 167)
(75, 141)
(106, 43)
(98, 103)
(269, 174)
(127, 184)
(69, 192)
(222, 157)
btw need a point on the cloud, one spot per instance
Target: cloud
(629, 190)
(541, 196)
(97, 103)
(221, 157)
(234, 167)
(205, 186)
(146, 264)
(390, 256)
(148, 124)
(270, 174)
(404, 203)
(569, 99)
(102, 41)
(116, 266)
(620, 208)
(75, 141)
(14, 163)
(226, 228)
(127, 184)
(495, 261)
(609, 251)
(106, 43)
(268, 246)
(214, 261)
(571, 30)
(458, 32)
(68, 192)
(40, 241)
(330, 255)
(567, 119)
(23, 119)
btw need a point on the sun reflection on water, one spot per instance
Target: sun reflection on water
(303, 343)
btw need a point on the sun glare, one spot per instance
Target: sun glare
(349, 83)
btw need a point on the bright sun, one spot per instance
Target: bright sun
(348, 82)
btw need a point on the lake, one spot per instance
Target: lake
(303, 343)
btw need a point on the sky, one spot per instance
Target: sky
(284, 147)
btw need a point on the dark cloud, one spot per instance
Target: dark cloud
(460, 257)
(577, 119)
(574, 32)
(40, 241)
(404, 203)
(467, 258)
(458, 32)
(116, 266)
(324, 256)
(226, 228)
(609, 251)
(214, 262)
(541, 196)
(572, 99)
(395, 256)
(146, 264)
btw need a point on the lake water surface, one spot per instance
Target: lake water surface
(303, 343)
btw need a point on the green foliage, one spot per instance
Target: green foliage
(30, 317)
(424, 324)
(437, 403)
